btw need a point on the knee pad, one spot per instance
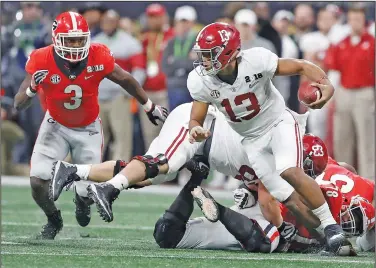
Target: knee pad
(151, 164)
(257, 241)
(168, 231)
(119, 166)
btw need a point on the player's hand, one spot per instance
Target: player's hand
(157, 113)
(243, 198)
(37, 78)
(327, 92)
(198, 134)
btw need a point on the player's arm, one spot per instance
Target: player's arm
(312, 72)
(198, 114)
(22, 100)
(28, 89)
(130, 84)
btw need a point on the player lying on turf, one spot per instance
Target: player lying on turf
(68, 72)
(241, 226)
(357, 211)
(239, 84)
(172, 144)
(220, 148)
(349, 196)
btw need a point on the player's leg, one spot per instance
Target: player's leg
(287, 148)
(343, 126)
(49, 146)
(170, 228)
(364, 114)
(86, 148)
(166, 155)
(246, 231)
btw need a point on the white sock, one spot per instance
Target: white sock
(325, 217)
(119, 181)
(83, 171)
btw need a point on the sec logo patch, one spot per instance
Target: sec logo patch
(215, 94)
(55, 79)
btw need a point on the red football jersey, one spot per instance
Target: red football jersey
(349, 183)
(334, 200)
(71, 94)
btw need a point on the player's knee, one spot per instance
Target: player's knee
(257, 241)
(152, 164)
(119, 166)
(42, 171)
(168, 231)
(293, 176)
(37, 184)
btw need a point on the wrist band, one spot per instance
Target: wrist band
(148, 105)
(30, 93)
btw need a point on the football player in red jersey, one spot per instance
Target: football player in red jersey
(358, 213)
(69, 72)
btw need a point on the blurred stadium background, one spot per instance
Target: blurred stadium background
(141, 34)
(153, 42)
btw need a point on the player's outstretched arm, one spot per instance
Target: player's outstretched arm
(198, 114)
(28, 89)
(130, 84)
(312, 72)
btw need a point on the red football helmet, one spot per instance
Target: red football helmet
(357, 217)
(71, 36)
(215, 46)
(315, 155)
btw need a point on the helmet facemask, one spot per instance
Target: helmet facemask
(308, 166)
(353, 218)
(73, 53)
(208, 60)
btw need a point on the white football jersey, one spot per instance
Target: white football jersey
(252, 105)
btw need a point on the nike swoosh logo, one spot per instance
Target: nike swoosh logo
(87, 77)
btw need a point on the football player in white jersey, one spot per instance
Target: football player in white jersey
(239, 84)
(242, 226)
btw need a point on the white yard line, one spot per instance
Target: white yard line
(154, 189)
(250, 257)
(110, 226)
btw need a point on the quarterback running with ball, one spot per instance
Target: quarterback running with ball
(238, 82)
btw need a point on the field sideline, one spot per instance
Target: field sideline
(127, 241)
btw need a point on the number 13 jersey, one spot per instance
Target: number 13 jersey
(252, 105)
(72, 92)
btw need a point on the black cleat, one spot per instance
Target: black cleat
(63, 175)
(53, 226)
(103, 194)
(206, 203)
(199, 168)
(336, 242)
(83, 212)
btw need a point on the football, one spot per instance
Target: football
(309, 94)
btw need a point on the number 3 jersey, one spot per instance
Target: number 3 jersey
(71, 91)
(252, 105)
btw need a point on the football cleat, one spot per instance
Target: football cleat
(336, 242)
(83, 211)
(103, 195)
(63, 175)
(206, 203)
(52, 228)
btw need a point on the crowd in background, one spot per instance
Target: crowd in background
(156, 48)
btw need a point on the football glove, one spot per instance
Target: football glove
(157, 112)
(243, 198)
(37, 79)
